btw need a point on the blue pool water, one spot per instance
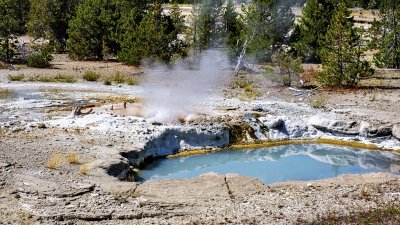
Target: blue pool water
(277, 164)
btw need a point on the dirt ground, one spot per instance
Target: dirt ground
(64, 66)
(376, 100)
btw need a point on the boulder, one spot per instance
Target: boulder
(396, 131)
(275, 123)
(344, 127)
(272, 122)
(384, 131)
(364, 129)
(319, 123)
(41, 125)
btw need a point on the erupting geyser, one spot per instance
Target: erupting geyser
(178, 93)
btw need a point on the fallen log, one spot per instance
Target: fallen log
(77, 110)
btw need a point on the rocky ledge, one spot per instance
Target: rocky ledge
(113, 143)
(207, 199)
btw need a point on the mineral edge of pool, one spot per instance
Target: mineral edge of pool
(277, 164)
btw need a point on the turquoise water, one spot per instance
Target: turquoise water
(277, 164)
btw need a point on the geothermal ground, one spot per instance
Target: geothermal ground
(56, 168)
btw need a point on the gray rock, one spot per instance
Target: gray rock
(344, 127)
(17, 129)
(296, 129)
(364, 129)
(275, 124)
(42, 187)
(260, 109)
(41, 125)
(4, 165)
(396, 131)
(336, 126)
(384, 131)
(319, 123)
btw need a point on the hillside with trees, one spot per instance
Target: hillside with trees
(133, 32)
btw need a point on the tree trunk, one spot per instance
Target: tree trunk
(77, 110)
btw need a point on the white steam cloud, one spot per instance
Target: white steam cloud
(179, 92)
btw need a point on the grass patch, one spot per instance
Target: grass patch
(60, 78)
(319, 102)
(91, 76)
(72, 158)
(64, 78)
(84, 169)
(242, 83)
(54, 161)
(132, 81)
(250, 92)
(17, 77)
(119, 78)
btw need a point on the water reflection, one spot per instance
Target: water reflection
(293, 162)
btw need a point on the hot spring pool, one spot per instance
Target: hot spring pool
(277, 164)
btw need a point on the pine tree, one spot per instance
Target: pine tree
(22, 15)
(205, 29)
(288, 66)
(152, 36)
(267, 25)
(49, 19)
(178, 20)
(232, 30)
(386, 35)
(311, 28)
(258, 30)
(342, 51)
(132, 49)
(9, 26)
(178, 46)
(95, 27)
(282, 21)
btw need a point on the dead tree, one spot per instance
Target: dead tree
(77, 110)
(243, 53)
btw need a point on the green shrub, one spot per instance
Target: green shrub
(242, 83)
(46, 79)
(132, 81)
(119, 78)
(39, 60)
(17, 77)
(43, 58)
(91, 76)
(62, 78)
(319, 102)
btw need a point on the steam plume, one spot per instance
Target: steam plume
(178, 92)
